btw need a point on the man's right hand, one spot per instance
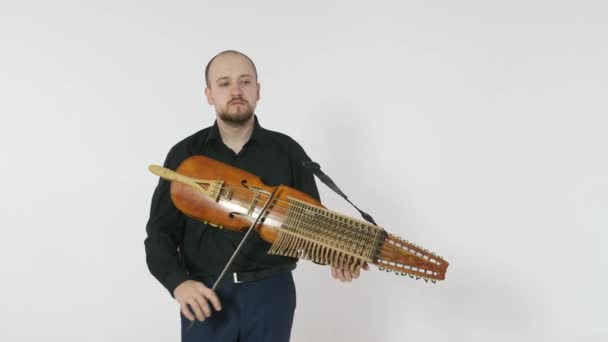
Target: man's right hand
(195, 296)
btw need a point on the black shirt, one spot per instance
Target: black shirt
(179, 248)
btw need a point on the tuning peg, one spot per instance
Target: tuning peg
(433, 281)
(403, 273)
(426, 280)
(417, 277)
(381, 268)
(397, 273)
(411, 276)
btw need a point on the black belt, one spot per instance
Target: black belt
(243, 277)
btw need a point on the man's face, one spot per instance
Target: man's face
(233, 88)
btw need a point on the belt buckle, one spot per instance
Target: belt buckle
(235, 276)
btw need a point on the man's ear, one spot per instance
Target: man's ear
(258, 92)
(208, 95)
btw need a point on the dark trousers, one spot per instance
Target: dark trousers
(260, 310)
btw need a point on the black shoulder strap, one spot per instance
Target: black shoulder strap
(316, 169)
(300, 156)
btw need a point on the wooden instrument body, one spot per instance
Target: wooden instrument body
(230, 198)
(220, 212)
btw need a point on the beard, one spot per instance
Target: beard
(236, 115)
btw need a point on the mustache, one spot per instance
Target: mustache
(237, 99)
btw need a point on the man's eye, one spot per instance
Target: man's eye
(223, 84)
(246, 82)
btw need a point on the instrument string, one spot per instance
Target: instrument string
(314, 219)
(246, 203)
(327, 223)
(304, 222)
(309, 223)
(226, 189)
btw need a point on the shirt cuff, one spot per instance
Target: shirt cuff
(173, 280)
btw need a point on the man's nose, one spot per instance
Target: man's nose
(236, 90)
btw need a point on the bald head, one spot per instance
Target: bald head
(232, 87)
(223, 53)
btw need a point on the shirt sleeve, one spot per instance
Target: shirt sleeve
(165, 231)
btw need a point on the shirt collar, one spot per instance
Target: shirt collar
(257, 135)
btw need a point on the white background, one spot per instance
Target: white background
(474, 128)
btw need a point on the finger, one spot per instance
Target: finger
(210, 295)
(186, 312)
(337, 273)
(334, 273)
(340, 275)
(198, 311)
(365, 266)
(348, 276)
(202, 304)
(356, 273)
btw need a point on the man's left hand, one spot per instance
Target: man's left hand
(347, 275)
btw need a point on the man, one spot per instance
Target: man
(256, 301)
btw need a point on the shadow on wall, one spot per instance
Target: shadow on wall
(487, 302)
(472, 302)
